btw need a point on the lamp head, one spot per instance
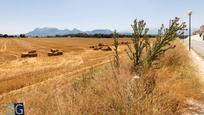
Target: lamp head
(190, 12)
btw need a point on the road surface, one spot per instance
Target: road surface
(197, 44)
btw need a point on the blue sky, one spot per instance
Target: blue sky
(21, 16)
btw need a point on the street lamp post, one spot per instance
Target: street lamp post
(189, 14)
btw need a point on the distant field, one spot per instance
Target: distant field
(17, 72)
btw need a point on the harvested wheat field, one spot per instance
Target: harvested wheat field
(17, 72)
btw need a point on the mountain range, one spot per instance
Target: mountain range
(55, 31)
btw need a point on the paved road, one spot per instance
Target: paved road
(197, 44)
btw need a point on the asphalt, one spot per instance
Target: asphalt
(197, 44)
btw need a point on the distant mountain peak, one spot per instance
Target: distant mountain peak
(55, 31)
(75, 29)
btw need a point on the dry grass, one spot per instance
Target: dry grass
(100, 90)
(158, 92)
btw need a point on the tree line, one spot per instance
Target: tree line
(84, 35)
(12, 36)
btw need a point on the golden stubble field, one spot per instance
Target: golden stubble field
(17, 72)
(31, 80)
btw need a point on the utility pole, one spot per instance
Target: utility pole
(189, 14)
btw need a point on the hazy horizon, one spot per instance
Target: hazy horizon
(24, 16)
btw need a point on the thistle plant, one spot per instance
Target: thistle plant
(153, 50)
(163, 41)
(116, 44)
(139, 44)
